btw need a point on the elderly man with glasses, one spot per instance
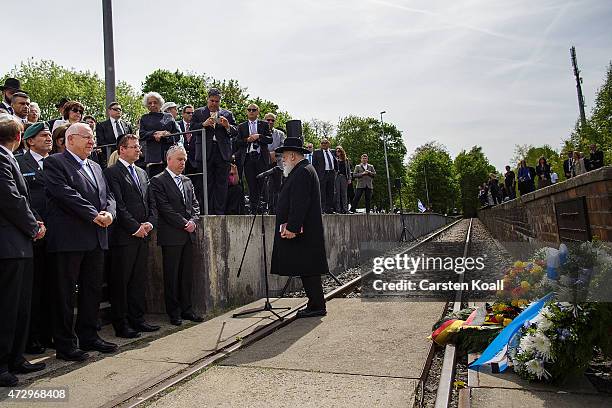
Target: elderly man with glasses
(80, 209)
(110, 131)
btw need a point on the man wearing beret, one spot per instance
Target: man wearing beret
(299, 243)
(38, 139)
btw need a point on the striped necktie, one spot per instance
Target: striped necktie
(179, 183)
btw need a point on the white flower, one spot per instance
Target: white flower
(536, 367)
(544, 324)
(541, 343)
(527, 343)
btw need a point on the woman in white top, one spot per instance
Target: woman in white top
(578, 166)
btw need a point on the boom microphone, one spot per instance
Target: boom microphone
(269, 172)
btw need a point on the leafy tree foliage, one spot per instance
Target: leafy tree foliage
(358, 135)
(46, 83)
(430, 173)
(472, 169)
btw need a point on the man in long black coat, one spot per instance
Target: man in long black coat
(299, 243)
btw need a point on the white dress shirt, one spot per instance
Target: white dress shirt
(39, 159)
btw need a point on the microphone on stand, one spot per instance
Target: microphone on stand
(269, 172)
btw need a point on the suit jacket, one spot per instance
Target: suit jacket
(190, 145)
(106, 136)
(567, 168)
(173, 212)
(299, 206)
(364, 180)
(133, 203)
(18, 224)
(223, 136)
(74, 200)
(35, 178)
(265, 139)
(318, 161)
(596, 160)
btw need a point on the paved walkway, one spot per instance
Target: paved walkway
(508, 390)
(106, 380)
(362, 354)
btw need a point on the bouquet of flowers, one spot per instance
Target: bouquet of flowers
(520, 282)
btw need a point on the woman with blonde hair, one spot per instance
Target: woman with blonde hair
(343, 178)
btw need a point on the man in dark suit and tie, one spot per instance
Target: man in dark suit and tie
(80, 208)
(189, 142)
(220, 129)
(18, 228)
(109, 131)
(38, 139)
(129, 239)
(326, 165)
(177, 214)
(256, 136)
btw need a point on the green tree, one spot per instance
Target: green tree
(430, 173)
(359, 135)
(46, 83)
(178, 87)
(472, 169)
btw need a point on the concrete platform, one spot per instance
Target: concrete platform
(139, 365)
(514, 398)
(264, 388)
(360, 338)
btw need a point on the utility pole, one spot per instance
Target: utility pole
(109, 51)
(578, 86)
(382, 127)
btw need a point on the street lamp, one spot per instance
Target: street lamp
(382, 127)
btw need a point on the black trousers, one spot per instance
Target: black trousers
(126, 282)
(85, 269)
(253, 165)
(275, 182)
(217, 179)
(368, 198)
(327, 183)
(178, 278)
(314, 292)
(15, 293)
(43, 280)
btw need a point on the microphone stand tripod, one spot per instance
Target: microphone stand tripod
(405, 230)
(267, 307)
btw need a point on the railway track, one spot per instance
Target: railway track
(348, 289)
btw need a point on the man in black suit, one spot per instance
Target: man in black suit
(189, 142)
(596, 158)
(220, 129)
(80, 208)
(109, 131)
(178, 212)
(129, 239)
(256, 136)
(567, 165)
(38, 139)
(326, 165)
(18, 228)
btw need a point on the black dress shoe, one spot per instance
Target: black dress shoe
(26, 367)
(311, 313)
(8, 380)
(145, 327)
(176, 321)
(127, 333)
(72, 355)
(192, 316)
(35, 348)
(99, 345)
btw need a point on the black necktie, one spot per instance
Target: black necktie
(328, 159)
(119, 129)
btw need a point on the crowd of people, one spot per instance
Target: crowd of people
(530, 178)
(81, 197)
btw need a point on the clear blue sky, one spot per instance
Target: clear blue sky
(488, 72)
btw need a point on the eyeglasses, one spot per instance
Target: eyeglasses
(137, 147)
(270, 120)
(117, 109)
(188, 113)
(251, 110)
(77, 110)
(87, 137)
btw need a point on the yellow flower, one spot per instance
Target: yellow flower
(536, 269)
(507, 321)
(525, 285)
(514, 302)
(519, 264)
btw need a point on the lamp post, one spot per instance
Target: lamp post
(109, 54)
(382, 127)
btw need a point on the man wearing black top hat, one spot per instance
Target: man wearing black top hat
(11, 86)
(299, 243)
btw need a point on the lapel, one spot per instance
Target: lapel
(170, 180)
(22, 186)
(143, 181)
(128, 176)
(32, 163)
(80, 169)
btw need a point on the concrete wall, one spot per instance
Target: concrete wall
(532, 217)
(221, 241)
